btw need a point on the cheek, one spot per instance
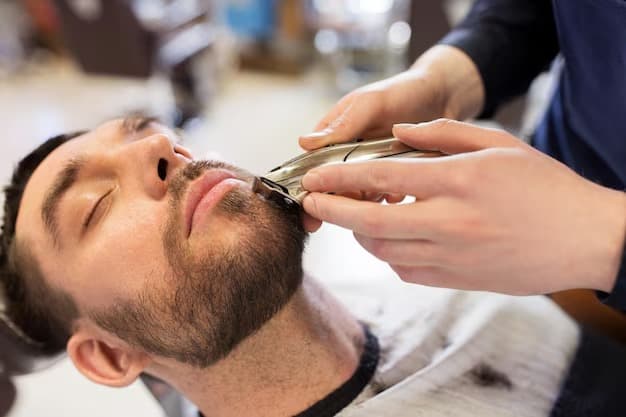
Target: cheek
(126, 255)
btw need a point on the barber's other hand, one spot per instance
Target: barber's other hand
(442, 83)
(495, 215)
(370, 112)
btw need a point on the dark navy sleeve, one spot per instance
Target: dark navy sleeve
(617, 297)
(594, 386)
(510, 41)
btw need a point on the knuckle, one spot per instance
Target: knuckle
(327, 211)
(460, 179)
(466, 177)
(317, 208)
(401, 271)
(502, 134)
(502, 138)
(372, 100)
(443, 124)
(406, 276)
(380, 248)
(422, 276)
(373, 224)
(311, 207)
(498, 132)
(414, 275)
(379, 178)
(467, 225)
(339, 122)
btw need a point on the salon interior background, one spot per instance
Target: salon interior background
(243, 78)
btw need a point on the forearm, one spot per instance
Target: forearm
(611, 274)
(510, 42)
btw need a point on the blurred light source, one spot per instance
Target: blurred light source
(326, 41)
(327, 6)
(369, 6)
(399, 34)
(87, 9)
(149, 10)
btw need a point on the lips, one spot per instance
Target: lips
(205, 192)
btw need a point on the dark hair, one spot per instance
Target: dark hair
(41, 313)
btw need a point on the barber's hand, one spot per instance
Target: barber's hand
(442, 83)
(371, 111)
(495, 215)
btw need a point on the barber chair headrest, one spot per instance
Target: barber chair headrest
(20, 355)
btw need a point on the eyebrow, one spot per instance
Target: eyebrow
(70, 173)
(64, 181)
(137, 122)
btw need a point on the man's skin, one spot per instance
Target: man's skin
(299, 356)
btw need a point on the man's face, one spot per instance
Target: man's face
(174, 256)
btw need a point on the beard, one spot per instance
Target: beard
(222, 293)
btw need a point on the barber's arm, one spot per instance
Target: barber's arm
(495, 215)
(490, 57)
(443, 82)
(510, 42)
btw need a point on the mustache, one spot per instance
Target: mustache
(193, 170)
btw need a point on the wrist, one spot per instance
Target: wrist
(613, 219)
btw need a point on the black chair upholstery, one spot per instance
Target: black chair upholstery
(7, 396)
(17, 357)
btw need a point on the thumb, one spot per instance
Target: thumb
(346, 126)
(452, 137)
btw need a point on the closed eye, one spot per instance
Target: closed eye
(94, 210)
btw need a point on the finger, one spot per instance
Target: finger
(355, 195)
(370, 219)
(345, 127)
(451, 136)
(363, 195)
(429, 275)
(315, 139)
(310, 223)
(372, 196)
(416, 177)
(435, 276)
(311, 142)
(408, 252)
(325, 122)
(335, 112)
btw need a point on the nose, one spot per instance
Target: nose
(157, 158)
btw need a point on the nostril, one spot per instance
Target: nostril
(162, 169)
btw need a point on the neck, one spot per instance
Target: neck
(310, 348)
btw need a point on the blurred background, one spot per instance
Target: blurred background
(242, 78)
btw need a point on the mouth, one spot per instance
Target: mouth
(205, 193)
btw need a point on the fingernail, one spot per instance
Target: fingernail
(312, 181)
(404, 126)
(316, 135)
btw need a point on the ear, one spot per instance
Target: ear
(104, 363)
